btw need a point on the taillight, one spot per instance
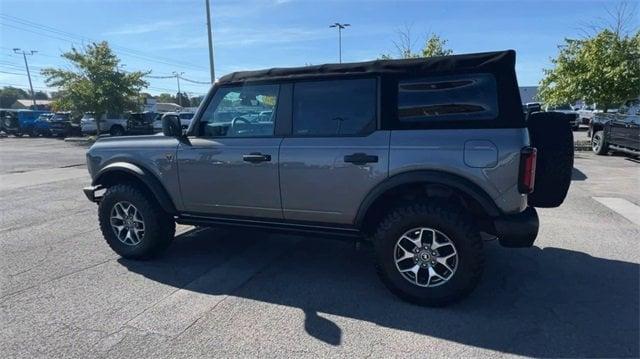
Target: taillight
(527, 176)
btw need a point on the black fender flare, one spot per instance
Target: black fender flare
(152, 183)
(428, 176)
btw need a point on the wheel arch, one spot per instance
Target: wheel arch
(410, 182)
(119, 172)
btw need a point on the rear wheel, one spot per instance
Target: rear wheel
(133, 224)
(429, 253)
(598, 144)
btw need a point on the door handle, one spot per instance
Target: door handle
(360, 158)
(256, 157)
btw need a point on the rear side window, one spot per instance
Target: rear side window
(334, 108)
(448, 98)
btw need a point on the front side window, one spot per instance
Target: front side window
(240, 111)
(448, 98)
(334, 108)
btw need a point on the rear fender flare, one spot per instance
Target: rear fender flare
(455, 182)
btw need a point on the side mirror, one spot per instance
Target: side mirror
(171, 126)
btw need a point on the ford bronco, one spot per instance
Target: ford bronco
(425, 158)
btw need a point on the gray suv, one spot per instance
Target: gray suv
(425, 158)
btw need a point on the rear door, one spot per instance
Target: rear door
(333, 156)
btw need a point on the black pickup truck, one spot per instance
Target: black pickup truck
(618, 132)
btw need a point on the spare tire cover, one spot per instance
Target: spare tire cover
(551, 135)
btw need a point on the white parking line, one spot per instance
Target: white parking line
(32, 178)
(623, 207)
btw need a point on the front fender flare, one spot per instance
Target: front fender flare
(145, 176)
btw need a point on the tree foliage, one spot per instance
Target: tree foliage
(9, 95)
(434, 45)
(95, 83)
(603, 68)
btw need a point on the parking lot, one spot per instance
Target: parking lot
(63, 292)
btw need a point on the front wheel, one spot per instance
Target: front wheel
(133, 224)
(598, 144)
(429, 253)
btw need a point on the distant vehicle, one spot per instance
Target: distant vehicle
(573, 117)
(140, 123)
(113, 125)
(618, 131)
(20, 122)
(41, 124)
(62, 124)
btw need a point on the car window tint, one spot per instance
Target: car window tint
(336, 107)
(460, 97)
(241, 111)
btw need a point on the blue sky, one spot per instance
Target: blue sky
(166, 36)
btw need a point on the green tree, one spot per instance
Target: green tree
(9, 95)
(96, 83)
(603, 68)
(434, 45)
(41, 95)
(166, 98)
(195, 101)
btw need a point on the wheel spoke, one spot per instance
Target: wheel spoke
(443, 261)
(127, 223)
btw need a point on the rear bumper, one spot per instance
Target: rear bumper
(518, 230)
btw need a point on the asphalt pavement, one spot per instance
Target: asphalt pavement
(221, 293)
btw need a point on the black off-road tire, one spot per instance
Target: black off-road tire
(160, 227)
(551, 135)
(598, 144)
(451, 220)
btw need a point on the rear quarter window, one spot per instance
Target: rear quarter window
(468, 97)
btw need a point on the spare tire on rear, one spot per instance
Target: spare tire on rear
(551, 135)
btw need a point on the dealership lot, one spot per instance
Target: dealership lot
(63, 292)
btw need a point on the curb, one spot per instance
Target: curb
(80, 140)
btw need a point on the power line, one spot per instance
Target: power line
(72, 38)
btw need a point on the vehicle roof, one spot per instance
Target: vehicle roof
(493, 62)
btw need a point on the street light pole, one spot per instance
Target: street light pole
(210, 36)
(26, 64)
(340, 27)
(177, 75)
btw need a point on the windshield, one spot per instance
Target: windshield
(60, 117)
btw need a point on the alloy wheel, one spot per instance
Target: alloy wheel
(426, 257)
(127, 223)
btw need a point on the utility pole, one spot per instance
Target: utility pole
(340, 27)
(210, 35)
(26, 64)
(177, 75)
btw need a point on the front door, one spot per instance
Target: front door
(334, 155)
(230, 166)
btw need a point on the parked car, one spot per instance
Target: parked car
(20, 122)
(63, 124)
(41, 124)
(572, 114)
(618, 131)
(140, 123)
(114, 125)
(418, 156)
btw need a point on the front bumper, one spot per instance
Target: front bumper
(518, 230)
(92, 193)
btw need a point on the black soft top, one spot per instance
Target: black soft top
(498, 63)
